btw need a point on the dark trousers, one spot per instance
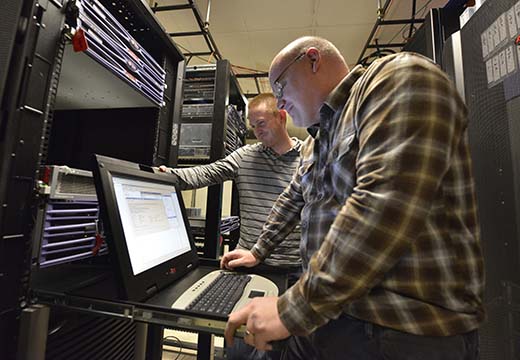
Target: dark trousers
(241, 351)
(350, 339)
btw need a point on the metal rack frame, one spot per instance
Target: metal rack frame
(32, 69)
(380, 21)
(203, 28)
(227, 91)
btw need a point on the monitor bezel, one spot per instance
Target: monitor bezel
(147, 283)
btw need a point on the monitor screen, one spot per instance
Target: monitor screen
(145, 227)
(152, 222)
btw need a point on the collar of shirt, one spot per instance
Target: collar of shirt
(337, 98)
(296, 147)
(313, 130)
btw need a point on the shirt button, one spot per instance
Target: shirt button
(335, 153)
(303, 225)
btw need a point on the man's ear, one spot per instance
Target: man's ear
(283, 115)
(314, 55)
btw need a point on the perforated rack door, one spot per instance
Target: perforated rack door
(494, 140)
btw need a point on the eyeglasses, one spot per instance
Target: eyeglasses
(277, 86)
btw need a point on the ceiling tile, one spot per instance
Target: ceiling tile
(268, 43)
(349, 39)
(224, 17)
(178, 20)
(339, 12)
(275, 14)
(249, 33)
(236, 47)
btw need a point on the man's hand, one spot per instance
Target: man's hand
(164, 169)
(262, 321)
(161, 169)
(238, 257)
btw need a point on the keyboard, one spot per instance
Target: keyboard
(221, 292)
(221, 295)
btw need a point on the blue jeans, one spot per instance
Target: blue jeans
(348, 338)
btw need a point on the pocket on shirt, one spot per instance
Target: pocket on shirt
(343, 146)
(343, 163)
(304, 172)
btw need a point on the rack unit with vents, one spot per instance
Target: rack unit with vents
(96, 32)
(67, 224)
(212, 126)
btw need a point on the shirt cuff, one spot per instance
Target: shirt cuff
(259, 252)
(297, 314)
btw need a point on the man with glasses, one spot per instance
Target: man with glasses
(390, 244)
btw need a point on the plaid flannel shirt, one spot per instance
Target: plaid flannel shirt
(388, 212)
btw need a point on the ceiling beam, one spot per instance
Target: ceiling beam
(380, 14)
(392, 45)
(255, 75)
(186, 33)
(170, 7)
(401, 22)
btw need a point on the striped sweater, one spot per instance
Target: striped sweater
(260, 176)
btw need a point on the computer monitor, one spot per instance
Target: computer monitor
(146, 227)
(152, 222)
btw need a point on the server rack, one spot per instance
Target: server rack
(58, 107)
(491, 88)
(493, 100)
(214, 108)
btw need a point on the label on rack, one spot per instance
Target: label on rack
(79, 41)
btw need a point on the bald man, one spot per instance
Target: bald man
(392, 262)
